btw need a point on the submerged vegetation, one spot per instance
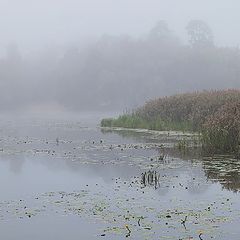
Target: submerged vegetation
(214, 114)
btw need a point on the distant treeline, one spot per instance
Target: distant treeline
(115, 73)
(215, 114)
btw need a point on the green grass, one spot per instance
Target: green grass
(135, 121)
(127, 121)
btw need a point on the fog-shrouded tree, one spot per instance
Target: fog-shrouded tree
(118, 72)
(200, 34)
(163, 34)
(160, 30)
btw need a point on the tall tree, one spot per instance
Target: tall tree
(160, 30)
(200, 34)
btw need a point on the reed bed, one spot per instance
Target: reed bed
(214, 114)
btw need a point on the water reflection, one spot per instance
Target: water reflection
(222, 169)
(107, 153)
(16, 163)
(118, 178)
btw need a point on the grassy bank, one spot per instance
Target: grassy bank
(135, 121)
(216, 114)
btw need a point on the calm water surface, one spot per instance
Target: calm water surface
(69, 179)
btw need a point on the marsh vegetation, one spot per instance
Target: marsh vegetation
(213, 114)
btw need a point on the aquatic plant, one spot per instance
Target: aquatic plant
(182, 144)
(150, 178)
(190, 108)
(221, 131)
(215, 114)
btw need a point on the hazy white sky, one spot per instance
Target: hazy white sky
(36, 23)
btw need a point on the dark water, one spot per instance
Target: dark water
(69, 179)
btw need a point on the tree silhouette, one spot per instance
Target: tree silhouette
(200, 34)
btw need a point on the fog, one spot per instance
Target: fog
(89, 146)
(114, 55)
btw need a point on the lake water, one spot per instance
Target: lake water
(70, 179)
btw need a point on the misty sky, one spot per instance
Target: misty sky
(33, 24)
